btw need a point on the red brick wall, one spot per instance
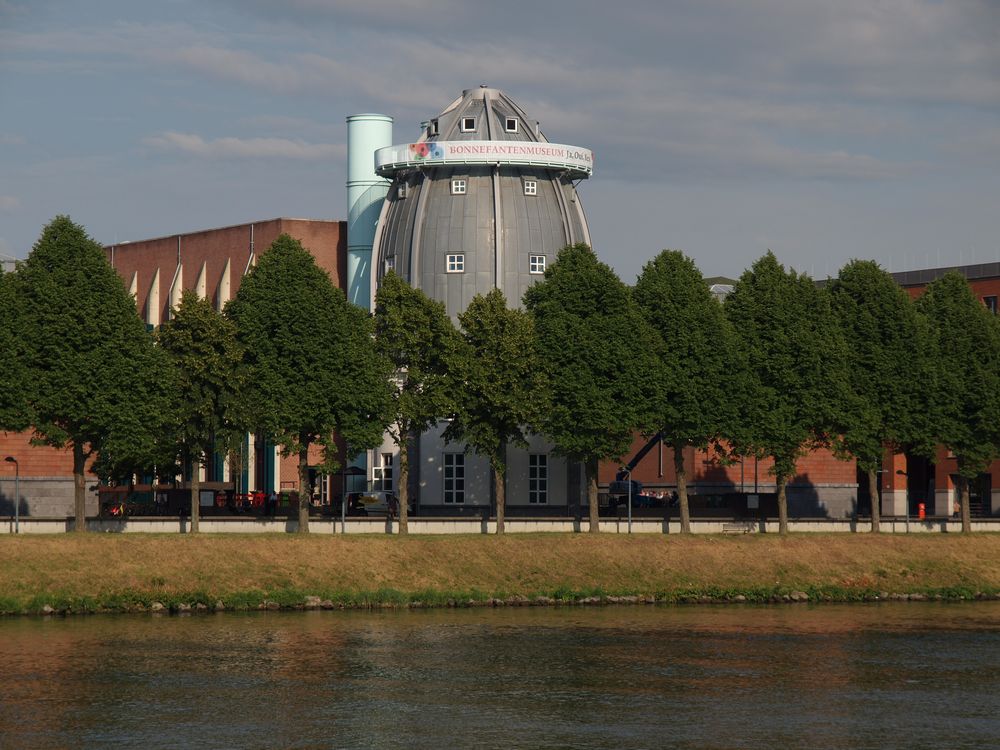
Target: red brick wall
(33, 461)
(326, 240)
(818, 467)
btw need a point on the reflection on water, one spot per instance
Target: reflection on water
(853, 676)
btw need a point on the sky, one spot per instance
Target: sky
(823, 131)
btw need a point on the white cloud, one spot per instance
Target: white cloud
(9, 203)
(244, 148)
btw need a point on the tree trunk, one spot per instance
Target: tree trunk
(682, 488)
(79, 488)
(782, 505)
(595, 523)
(500, 491)
(404, 481)
(305, 489)
(873, 496)
(963, 499)
(195, 495)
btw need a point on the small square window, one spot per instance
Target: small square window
(401, 190)
(468, 124)
(456, 263)
(433, 127)
(530, 187)
(991, 303)
(458, 187)
(510, 125)
(536, 264)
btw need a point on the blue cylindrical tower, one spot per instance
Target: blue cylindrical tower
(366, 191)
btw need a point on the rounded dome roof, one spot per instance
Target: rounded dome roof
(481, 201)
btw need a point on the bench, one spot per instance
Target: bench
(738, 527)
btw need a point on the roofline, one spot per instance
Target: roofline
(219, 229)
(921, 277)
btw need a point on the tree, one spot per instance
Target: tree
(594, 348)
(312, 368)
(200, 344)
(415, 334)
(698, 384)
(13, 378)
(96, 382)
(500, 388)
(968, 352)
(890, 370)
(798, 392)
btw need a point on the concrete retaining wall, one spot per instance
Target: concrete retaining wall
(43, 497)
(32, 525)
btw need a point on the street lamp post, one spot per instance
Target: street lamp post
(17, 493)
(902, 473)
(628, 478)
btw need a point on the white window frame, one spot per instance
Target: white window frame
(401, 190)
(433, 127)
(453, 478)
(455, 263)
(459, 187)
(538, 479)
(382, 472)
(510, 124)
(467, 125)
(531, 187)
(390, 263)
(536, 264)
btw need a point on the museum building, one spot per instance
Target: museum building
(479, 200)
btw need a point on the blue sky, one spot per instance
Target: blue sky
(823, 131)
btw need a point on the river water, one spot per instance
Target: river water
(893, 675)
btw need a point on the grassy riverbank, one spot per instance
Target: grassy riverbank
(122, 572)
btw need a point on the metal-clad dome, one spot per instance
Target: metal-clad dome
(481, 200)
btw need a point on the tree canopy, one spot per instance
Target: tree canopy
(890, 368)
(415, 334)
(797, 385)
(200, 344)
(312, 368)
(594, 347)
(698, 382)
(13, 377)
(500, 387)
(968, 350)
(96, 382)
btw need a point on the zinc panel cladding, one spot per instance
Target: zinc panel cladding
(430, 223)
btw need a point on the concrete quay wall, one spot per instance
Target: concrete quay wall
(151, 525)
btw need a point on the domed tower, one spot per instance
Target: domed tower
(481, 201)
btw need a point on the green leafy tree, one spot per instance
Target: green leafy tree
(797, 382)
(594, 347)
(13, 377)
(200, 344)
(968, 350)
(500, 388)
(312, 368)
(97, 384)
(890, 366)
(698, 382)
(418, 338)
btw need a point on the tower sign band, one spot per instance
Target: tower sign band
(575, 159)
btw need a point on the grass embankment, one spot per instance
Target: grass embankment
(127, 573)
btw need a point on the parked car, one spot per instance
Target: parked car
(373, 503)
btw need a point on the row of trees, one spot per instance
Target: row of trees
(782, 367)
